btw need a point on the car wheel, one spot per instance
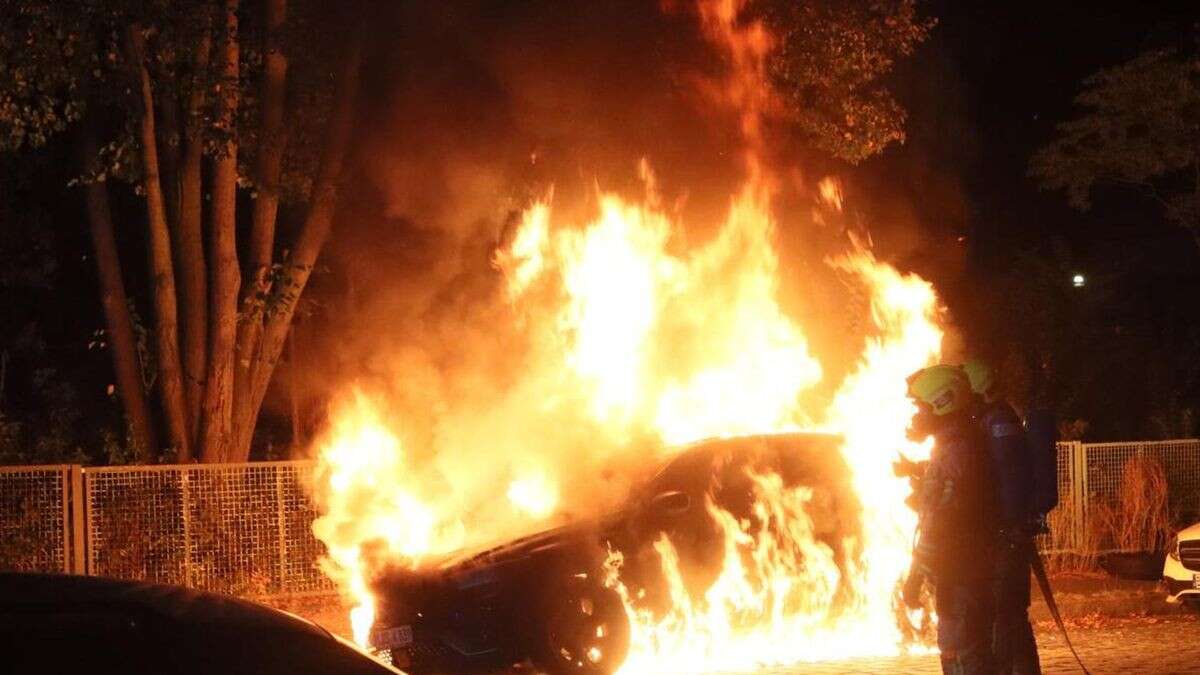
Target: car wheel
(584, 631)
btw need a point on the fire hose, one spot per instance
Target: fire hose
(1039, 571)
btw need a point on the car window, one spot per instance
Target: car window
(44, 639)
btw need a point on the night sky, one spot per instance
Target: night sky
(984, 93)
(1020, 65)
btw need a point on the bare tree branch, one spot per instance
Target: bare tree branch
(313, 233)
(122, 345)
(162, 269)
(273, 140)
(217, 423)
(193, 277)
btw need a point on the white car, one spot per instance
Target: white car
(1181, 571)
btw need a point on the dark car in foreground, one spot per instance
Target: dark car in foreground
(542, 599)
(52, 624)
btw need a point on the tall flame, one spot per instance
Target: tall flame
(632, 335)
(643, 339)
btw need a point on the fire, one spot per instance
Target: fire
(645, 343)
(830, 191)
(688, 347)
(631, 335)
(533, 494)
(355, 483)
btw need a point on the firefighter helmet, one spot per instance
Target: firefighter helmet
(945, 389)
(982, 378)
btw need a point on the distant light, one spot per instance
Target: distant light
(1078, 281)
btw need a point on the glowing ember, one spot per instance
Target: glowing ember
(632, 336)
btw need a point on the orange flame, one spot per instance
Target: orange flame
(632, 336)
(684, 347)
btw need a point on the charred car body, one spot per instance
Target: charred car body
(543, 598)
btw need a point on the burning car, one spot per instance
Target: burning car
(550, 599)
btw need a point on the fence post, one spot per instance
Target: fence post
(89, 567)
(281, 518)
(64, 485)
(185, 497)
(1080, 487)
(78, 561)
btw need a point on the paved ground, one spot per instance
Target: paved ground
(1143, 646)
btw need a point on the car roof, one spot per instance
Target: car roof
(781, 439)
(800, 443)
(176, 602)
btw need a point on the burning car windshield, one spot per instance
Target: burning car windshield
(799, 455)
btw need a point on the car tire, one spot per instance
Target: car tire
(584, 630)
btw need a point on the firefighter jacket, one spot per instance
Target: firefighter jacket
(957, 505)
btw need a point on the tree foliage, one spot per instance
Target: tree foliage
(62, 58)
(830, 64)
(47, 60)
(1139, 129)
(263, 91)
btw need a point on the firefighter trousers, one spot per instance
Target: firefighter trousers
(1013, 644)
(965, 617)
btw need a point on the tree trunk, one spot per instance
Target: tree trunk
(121, 344)
(161, 268)
(312, 236)
(193, 282)
(273, 140)
(262, 235)
(224, 275)
(169, 154)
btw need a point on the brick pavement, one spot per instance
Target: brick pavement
(1153, 645)
(1146, 646)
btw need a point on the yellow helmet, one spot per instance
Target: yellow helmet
(982, 378)
(945, 389)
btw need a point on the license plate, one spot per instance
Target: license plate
(392, 638)
(1196, 581)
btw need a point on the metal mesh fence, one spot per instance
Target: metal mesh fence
(236, 528)
(34, 525)
(247, 528)
(1106, 463)
(1091, 474)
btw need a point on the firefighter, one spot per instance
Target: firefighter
(1013, 644)
(956, 506)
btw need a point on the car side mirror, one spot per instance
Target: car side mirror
(671, 503)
